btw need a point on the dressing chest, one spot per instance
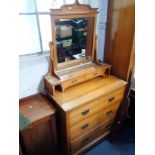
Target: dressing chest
(86, 112)
(81, 88)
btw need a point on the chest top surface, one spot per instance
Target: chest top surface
(36, 108)
(79, 94)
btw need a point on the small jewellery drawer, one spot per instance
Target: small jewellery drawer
(95, 106)
(84, 140)
(72, 82)
(84, 126)
(94, 74)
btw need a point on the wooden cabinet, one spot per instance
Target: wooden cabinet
(40, 137)
(86, 112)
(119, 45)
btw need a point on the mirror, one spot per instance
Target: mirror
(74, 39)
(73, 36)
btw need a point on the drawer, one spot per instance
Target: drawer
(95, 106)
(105, 127)
(72, 82)
(84, 140)
(94, 74)
(81, 79)
(84, 127)
(109, 112)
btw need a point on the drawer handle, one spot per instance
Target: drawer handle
(108, 126)
(85, 126)
(94, 74)
(111, 99)
(85, 141)
(85, 112)
(74, 81)
(109, 113)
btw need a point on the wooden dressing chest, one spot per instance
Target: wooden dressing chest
(86, 112)
(85, 95)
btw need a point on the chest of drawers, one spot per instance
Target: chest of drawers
(86, 112)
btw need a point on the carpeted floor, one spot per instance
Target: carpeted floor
(124, 143)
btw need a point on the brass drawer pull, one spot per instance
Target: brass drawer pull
(74, 81)
(85, 126)
(111, 98)
(109, 113)
(94, 74)
(85, 141)
(85, 112)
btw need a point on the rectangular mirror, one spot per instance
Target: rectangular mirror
(74, 39)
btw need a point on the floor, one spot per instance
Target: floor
(124, 143)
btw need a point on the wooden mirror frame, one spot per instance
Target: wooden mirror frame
(70, 11)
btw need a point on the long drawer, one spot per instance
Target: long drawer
(85, 139)
(88, 75)
(84, 126)
(94, 106)
(93, 121)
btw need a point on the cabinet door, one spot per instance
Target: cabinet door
(38, 139)
(120, 37)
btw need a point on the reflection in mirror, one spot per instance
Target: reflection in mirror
(71, 36)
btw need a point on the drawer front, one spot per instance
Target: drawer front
(93, 121)
(95, 106)
(94, 74)
(72, 82)
(84, 127)
(105, 127)
(81, 79)
(109, 112)
(84, 140)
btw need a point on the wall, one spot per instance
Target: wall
(33, 68)
(31, 72)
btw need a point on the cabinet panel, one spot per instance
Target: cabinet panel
(37, 139)
(120, 37)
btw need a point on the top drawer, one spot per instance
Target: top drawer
(95, 106)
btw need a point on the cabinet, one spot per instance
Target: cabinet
(39, 137)
(86, 112)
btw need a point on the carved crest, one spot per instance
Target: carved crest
(75, 8)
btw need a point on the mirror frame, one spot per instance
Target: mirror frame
(70, 11)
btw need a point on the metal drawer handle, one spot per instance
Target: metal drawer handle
(74, 81)
(109, 112)
(85, 126)
(85, 112)
(108, 126)
(85, 141)
(111, 98)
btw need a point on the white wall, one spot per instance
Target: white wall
(31, 72)
(33, 68)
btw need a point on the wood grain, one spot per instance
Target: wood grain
(83, 93)
(36, 108)
(95, 106)
(120, 37)
(41, 136)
